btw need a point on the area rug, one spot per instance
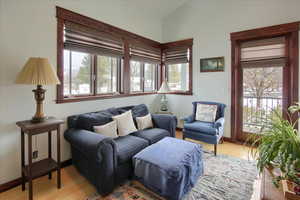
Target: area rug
(225, 178)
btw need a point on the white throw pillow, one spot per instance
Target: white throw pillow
(144, 122)
(125, 123)
(109, 129)
(206, 112)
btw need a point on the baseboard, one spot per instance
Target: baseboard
(14, 183)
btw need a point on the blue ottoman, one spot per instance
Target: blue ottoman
(169, 167)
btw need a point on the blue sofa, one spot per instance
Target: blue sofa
(209, 132)
(107, 162)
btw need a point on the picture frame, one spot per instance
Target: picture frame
(215, 64)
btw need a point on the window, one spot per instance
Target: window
(177, 58)
(97, 60)
(77, 73)
(150, 72)
(135, 76)
(142, 76)
(107, 74)
(178, 77)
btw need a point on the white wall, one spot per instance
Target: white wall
(210, 24)
(28, 28)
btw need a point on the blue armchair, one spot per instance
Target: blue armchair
(209, 132)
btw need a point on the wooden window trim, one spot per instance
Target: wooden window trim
(128, 38)
(182, 43)
(291, 32)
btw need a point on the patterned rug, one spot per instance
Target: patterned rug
(225, 178)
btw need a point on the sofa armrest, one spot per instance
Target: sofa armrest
(95, 157)
(167, 122)
(219, 123)
(189, 119)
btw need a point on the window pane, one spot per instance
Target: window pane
(149, 84)
(135, 76)
(178, 77)
(66, 72)
(81, 73)
(107, 70)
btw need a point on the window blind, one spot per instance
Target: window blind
(263, 50)
(144, 53)
(176, 55)
(82, 38)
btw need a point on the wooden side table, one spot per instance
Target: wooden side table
(164, 112)
(45, 166)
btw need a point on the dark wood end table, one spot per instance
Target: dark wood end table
(45, 166)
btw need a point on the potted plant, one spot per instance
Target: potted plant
(279, 147)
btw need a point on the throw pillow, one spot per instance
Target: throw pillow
(144, 122)
(206, 112)
(125, 123)
(109, 129)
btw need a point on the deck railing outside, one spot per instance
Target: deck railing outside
(257, 112)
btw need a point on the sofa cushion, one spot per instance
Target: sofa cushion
(108, 129)
(89, 120)
(144, 122)
(128, 146)
(152, 135)
(125, 123)
(137, 111)
(202, 127)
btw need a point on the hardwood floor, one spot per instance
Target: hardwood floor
(76, 187)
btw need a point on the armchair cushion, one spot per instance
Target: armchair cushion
(220, 110)
(189, 119)
(152, 135)
(202, 127)
(128, 146)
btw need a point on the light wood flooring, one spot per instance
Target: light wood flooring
(76, 187)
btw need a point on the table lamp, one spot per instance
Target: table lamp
(164, 89)
(38, 71)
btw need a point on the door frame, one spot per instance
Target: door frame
(290, 80)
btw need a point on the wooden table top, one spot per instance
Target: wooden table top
(27, 125)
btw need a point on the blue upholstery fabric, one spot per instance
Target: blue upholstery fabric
(205, 131)
(169, 167)
(128, 146)
(202, 127)
(152, 135)
(94, 156)
(167, 122)
(106, 162)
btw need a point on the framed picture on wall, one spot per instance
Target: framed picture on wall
(215, 64)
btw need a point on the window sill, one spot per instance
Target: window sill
(110, 96)
(90, 98)
(188, 93)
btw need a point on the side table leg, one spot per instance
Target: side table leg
(49, 151)
(30, 165)
(58, 158)
(23, 159)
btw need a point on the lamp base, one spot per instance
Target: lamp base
(38, 119)
(39, 95)
(164, 103)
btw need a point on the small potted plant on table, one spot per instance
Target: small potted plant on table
(279, 147)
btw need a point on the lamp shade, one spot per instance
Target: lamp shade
(37, 71)
(164, 88)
